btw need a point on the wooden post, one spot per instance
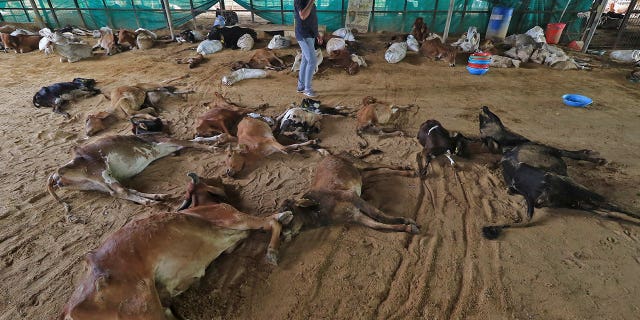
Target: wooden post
(37, 14)
(193, 15)
(447, 24)
(167, 11)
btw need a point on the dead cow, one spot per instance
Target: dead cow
(436, 141)
(101, 165)
(255, 141)
(494, 134)
(223, 117)
(192, 61)
(107, 41)
(58, 94)
(335, 197)
(21, 43)
(373, 116)
(500, 139)
(140, 100)
(419, 29)
(545, 188)
(261, 59)
(342, 59)
(137, 269)
(127, 38)
(436, 50)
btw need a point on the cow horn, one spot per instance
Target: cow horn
(194, 177)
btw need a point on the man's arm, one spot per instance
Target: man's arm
(304, 13)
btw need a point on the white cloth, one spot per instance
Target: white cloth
(245, 42)
(396, 52)
(209, 47)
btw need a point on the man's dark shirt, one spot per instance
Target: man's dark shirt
(305, 28)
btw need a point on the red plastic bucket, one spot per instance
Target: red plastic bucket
(554, 31)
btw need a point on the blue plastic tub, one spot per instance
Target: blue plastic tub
(576, 100)
(477, 71)
(479, 61)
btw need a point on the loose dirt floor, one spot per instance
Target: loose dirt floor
(570, 265)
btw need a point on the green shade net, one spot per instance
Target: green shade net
(389, 15)
(148, 14)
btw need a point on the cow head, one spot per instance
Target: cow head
(235, 160)
(488, 118)
(43, 98)
(144, 125)
(97, 122)
(84, 82)
(99, 296)
(202, 191)
(188, 36)
(305, 213)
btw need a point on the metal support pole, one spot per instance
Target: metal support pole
(282, 10)
(464, 12)
(37, 14)
(193, 15)
(26, 13)
(448, 23)
(594, 25)
(108, 13)
(223, 6)
(253, 18)
(373, 14)
(167, 12)
(404, 16)
(84, 23)
(625, 20)
(433, 20)
(135, 13)
(343, 13)
(53, 12)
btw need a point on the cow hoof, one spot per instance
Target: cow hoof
(413, 229)
(272, 257)
(160, 196)
(284, 217)
(408, 221)
(492, 232)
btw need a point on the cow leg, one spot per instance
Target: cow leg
(586, 155)
(242, 221)
(448, 155)
(375, 213)
(373, 224)
(58, 109)
(221, 138)
(154, 196)
(298, 145)
(118, 191)
(493, 232)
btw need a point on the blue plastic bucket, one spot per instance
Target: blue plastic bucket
(499, 23)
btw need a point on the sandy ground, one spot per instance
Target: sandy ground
(571, 265)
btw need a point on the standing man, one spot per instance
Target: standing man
(306, 33)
